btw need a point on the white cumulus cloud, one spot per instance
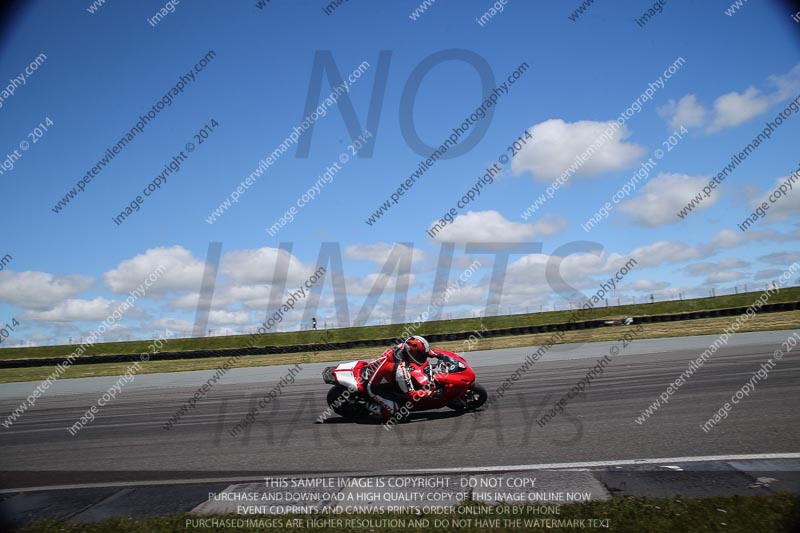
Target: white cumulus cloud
(708, 267)
(181, 271)
(491, 226)
(686, 112)
(661, 198)
(97, 309)
(40, 290)
(786, 205)
(379, 252)
(251, 267)
(556, 144)
(735, 108)
(228, 317)
(723, 276)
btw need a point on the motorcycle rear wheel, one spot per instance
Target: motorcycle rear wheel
(345, 403)
(337, 400)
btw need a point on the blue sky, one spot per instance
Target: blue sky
(105, 69)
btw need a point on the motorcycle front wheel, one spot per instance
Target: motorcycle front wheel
(475, 396)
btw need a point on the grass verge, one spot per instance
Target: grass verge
(750, 514)
(704, 326)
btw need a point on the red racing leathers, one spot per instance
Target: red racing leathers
(392, 381)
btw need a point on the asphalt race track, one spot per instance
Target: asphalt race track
(127, 441)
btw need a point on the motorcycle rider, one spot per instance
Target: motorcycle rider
(398, 376)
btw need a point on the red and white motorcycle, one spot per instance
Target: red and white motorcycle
(452, 375)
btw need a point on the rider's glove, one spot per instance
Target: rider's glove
(417, 395)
